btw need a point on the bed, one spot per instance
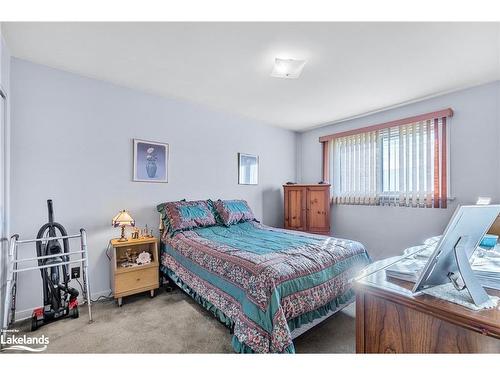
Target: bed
(267, 285)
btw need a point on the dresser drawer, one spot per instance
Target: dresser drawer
(130, 281)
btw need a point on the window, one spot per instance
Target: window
(402, 163)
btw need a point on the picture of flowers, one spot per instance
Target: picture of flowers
(150, 161)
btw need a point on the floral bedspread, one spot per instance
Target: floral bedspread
(264, 278)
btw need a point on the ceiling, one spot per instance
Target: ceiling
(351, 69)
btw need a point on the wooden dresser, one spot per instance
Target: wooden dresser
(389, 319)
(307, 207)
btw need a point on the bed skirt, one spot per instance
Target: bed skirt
(310, 318)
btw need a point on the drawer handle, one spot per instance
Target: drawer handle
(138, 279)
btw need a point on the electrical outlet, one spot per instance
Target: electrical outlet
(75, 272)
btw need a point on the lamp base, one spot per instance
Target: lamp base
(123, 238)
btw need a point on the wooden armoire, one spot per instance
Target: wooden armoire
(307, 207)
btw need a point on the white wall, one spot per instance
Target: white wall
(72, 142)
(475, 170)
(4, 162)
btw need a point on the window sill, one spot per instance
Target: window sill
(386, 197)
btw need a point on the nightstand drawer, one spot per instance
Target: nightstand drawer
(130, 281)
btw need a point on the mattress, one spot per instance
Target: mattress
(263, 282)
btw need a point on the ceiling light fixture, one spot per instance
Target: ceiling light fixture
(287, 68)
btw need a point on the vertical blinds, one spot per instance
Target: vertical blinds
(402, 163)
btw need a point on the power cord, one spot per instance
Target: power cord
(109, 297)
(107, 251)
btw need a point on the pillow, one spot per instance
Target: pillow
(233, 211)
(184, 215)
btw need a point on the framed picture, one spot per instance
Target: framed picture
(150, 161)
(248, 169)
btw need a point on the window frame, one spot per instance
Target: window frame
(443, 162)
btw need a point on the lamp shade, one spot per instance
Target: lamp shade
(123, 218)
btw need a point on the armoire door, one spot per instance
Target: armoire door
(318, 209)
(295, 208)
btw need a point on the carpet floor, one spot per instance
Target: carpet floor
(173, 323)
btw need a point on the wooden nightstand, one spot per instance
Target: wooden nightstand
(129, 278)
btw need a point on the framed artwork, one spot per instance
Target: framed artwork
(248, 169)
(150, 161)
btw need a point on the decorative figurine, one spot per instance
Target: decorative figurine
(135, 234)
(127, 260)
(143, 258)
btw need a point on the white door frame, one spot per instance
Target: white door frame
(4, 195)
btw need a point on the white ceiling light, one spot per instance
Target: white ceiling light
(287, 68)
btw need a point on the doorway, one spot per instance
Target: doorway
(3, 199)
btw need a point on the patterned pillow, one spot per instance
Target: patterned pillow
(233, 211)
(183, 215)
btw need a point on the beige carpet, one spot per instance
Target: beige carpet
(173, 323)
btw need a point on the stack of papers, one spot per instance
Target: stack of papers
(406, 269)
(486, 267)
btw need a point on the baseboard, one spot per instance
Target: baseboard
(26, 314)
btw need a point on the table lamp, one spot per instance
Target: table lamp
(123, 219)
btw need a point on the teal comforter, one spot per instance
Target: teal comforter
(263, 281)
